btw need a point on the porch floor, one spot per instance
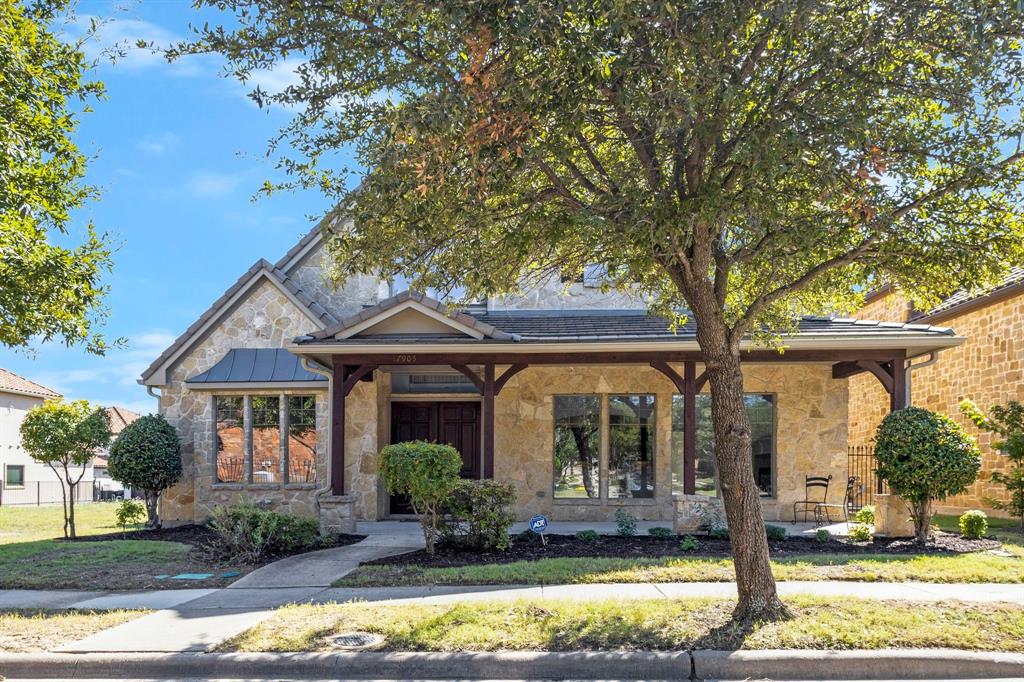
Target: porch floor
(395, 530)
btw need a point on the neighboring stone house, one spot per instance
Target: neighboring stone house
(24, 481)
(988, 368)
(287, 387)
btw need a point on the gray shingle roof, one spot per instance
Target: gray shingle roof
(538, 326)
(1013, 278)
(256, 365)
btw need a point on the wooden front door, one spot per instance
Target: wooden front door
(451, 423)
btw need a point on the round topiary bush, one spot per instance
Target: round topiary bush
(973, 524)
(428, 473)
(147, 456)
(925, 456)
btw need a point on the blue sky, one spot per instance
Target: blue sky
(179, 154)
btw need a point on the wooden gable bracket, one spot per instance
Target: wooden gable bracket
(353, 375)
(890, 374)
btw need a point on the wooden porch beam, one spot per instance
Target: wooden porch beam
(338, 394)
(500, 382)
(488, 417)
(469, 374)
(702, 379)
(690, 428)
(354, 376)
(667, 370)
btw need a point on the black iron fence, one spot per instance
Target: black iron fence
(860, 462)
(36, 493)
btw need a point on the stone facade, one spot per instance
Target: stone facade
(810, 429)
(987, 369)
(265, 319)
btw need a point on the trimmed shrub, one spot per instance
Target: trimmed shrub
(129, 512)
(823, 535)
(973, 524)
(718, 533)
(662, 533)
(625, 523)
(587, 535)
(865, 514)
(250, 534)
(428, 473)
(529, 536)
(859, 532)
(147, 457)
(775, 533)
(689, 544)
(477, 515)
(925, 456)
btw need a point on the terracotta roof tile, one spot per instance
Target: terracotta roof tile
(13, 383)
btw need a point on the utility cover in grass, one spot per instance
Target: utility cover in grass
(192, 576)
(230, 574)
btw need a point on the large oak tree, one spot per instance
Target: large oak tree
(744, 161)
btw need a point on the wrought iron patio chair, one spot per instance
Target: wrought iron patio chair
(815, 493)
(821, 510)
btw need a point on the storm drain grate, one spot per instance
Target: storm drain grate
(357, 640)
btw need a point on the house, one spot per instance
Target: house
(106, 487)
(22, 479)
(987, 368)
(286, 388)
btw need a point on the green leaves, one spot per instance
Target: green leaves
(1007, 422)
(146, 455)
(66, 434)
(925, 456)
(47, 290)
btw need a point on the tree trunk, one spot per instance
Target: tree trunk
(152, 509)
(758, 597)
(71, 509)
(922, 520)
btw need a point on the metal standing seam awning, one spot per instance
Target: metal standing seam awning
(257, 368)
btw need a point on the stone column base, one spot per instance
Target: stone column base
(336, 514)
(892, 517)
(693, 512)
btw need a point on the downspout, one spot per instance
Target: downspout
(933, 357)
(315, 367)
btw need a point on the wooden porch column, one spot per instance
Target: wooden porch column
(690, 428)
(488, 418)
(338, 426)
(898, 396)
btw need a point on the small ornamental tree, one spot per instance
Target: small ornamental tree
(925, 456)
(147, 456)
(1007, 422)
(428, 473)
(65, 437)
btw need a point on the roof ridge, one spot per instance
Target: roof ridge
(11, 382)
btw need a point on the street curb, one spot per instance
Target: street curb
(882, 664)
(356, 665)
(907, 664)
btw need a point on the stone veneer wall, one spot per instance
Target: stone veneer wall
(811, 413)
(988, 369)
(554, 294)
(348, 299)
(265, 319)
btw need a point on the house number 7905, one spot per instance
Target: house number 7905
(405, 359)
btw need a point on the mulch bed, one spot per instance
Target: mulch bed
(559, 546)
(200, 537)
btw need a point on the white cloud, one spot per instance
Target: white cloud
(158, 145)
(117, 39)
(208, 184)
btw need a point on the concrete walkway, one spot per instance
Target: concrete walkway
(199, 622)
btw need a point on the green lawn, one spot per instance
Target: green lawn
(649, 625)
(968, 568)
(34, 555)
(24, 630)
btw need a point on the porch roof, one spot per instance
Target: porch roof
(529, 330)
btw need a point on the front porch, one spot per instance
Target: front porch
(588, 412)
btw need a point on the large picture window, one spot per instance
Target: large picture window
(631, 438)
(230, 439)
(272, 451)
(577, 446)
(301, 439)
(761, 413)
(266, 439)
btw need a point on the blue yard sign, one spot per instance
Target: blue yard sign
(539, 524)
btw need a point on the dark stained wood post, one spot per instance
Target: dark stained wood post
(689, 428)
(338, 426)
(898, 396)
(488, 417)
